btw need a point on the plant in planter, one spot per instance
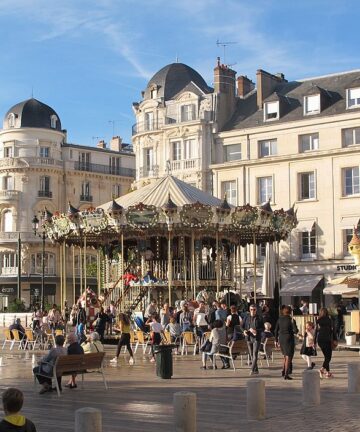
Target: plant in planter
(16, 305)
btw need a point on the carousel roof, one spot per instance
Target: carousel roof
(157, 194)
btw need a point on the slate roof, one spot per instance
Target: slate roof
(173, 78)
(33, 113)
(247, 115)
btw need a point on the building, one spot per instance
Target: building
(297, 143)
(40, 169)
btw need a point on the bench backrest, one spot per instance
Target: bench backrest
(238, 347)
(78, 362)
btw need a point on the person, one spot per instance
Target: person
(149, 254)
(165, 315)
(66, 313)
(150, 310)
(186, 318)
(36, 318)
(157, 330)
(199, 320)
(308, 347)
(296, 311)
(304, 307)
(44, 370)
(253, 327)
(211, 313)
(324, 336)
(93, 344)
(80, 331)
(73, 348)
(222, 312)
(232, 320)
(266, 334)
(175, 331)
(101, 319)
(339, 323)
(112, 315)
(81, 314)
(285, 331)
(54, 316)
(217, 338)
(124, 327)
(13, 400)
(16, 325)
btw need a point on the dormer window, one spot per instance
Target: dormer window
(53, 120)
(312, 104)
(153, 93)
(11, 120)
(188, 112)
(271, 111)
(353, 98)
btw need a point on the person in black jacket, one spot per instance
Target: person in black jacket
(324, 336)
(73, 348)
(285, 331)
(253, 327)
(14, 421)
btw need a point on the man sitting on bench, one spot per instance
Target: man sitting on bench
(44, 371)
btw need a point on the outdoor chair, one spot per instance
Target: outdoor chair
(141, 341)
(17, 339)
(7, 338)
(237, 348)
(189, 340)
(31, 339)
(266, 350)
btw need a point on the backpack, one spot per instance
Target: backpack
(235, 320)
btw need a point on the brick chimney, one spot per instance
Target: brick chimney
(224, 86)
(116, 143)
(244, 86)
(101, 144)
(266, 84)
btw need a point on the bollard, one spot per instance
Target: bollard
(354, 378)
(311, 387)
(1, 362)
(184, 411)
(255, 396)
(88, 419)
(33, 360)
(27, 355)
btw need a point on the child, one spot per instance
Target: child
(175, 332)
(266, 334)
(157, 330)
(13, 400)
(308, 347)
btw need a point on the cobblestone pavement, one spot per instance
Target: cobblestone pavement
(137, 400)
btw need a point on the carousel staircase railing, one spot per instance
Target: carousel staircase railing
(142, 293)
(125, 293)
(110, 290)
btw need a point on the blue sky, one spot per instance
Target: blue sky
(90, 59)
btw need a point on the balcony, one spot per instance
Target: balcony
(9, 195)
(184, 164)
(25, 162)
(12, 237)
(86, 198)
(146, 172)
(44, 194)
(155, 125)
(104, 169)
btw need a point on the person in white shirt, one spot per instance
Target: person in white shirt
(157, 330)
(200, 320)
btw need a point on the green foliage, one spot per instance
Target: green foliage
(16, 305)
(91, 269)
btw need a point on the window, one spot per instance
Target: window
(149, 121)
(149, 158)
(153, 93)
(347, 237)
(307, 186)
(44, 152)
(267, 148)
(351, 181)
(312, 104)
(7, 225)
(308, 243)
(351, 137)
(189, 148)
(84, 161)
(114, 165)
(36, 263)
(229, 188)
(116, 190)
(91, 265)
(308, 142)
(44, 183)
(9, 263)
(53, 121)
(188, 112)
(8, 183)
(176, 150)
(232, 152)
(271, 111)
(85, 191)
(353, 98)
(8, 152)
(265, 189)
(11, 120)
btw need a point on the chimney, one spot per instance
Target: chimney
(116, 143)
(225, 88)
(244, 86)
(101, 144)
(266, 84)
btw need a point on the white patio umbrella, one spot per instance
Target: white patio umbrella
(268, 281)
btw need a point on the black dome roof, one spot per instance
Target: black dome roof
(173, 78)
(32, 113)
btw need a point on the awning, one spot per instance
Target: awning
(349, 222)
(340, 289)
(343, 280)
(300, 285)
(305, 225)
(248, 286)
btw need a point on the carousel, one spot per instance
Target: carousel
(168, 241)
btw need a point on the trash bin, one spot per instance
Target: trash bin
(350, 338)
(164, 361)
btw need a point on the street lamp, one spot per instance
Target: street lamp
(42, 235)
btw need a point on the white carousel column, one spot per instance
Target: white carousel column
(64, 278)
(80, 270)
(169, 266)
(85, 264)
(73, 272)
(184, 264)
(240, 271)
(192, 272)
(255, 269)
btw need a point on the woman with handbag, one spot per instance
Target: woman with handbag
(326, 338)
(308, 347)
(214, 345)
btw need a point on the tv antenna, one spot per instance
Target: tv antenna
(224, 45)
(96, 138)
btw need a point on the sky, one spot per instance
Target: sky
(90, 59)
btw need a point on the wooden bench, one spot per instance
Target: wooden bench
(78, 364)
(237, 348)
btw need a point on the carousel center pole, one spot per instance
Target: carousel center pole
(61, 274)
(240, 270)
(254, 253)
(80, 270)
(73, 272)
(169, 267)
(217, 266)
(64, 278)
(192, 265)
(85, 264)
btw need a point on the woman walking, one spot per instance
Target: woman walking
(325, 337)
(285, 331)
(124, 327)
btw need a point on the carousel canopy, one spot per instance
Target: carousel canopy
(170, 205)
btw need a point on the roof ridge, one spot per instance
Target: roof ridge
(328, 75)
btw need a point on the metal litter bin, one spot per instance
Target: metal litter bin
(164, 361)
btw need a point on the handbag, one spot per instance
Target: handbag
(206, 346)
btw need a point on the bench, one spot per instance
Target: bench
(235, 349)
(78, 364)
